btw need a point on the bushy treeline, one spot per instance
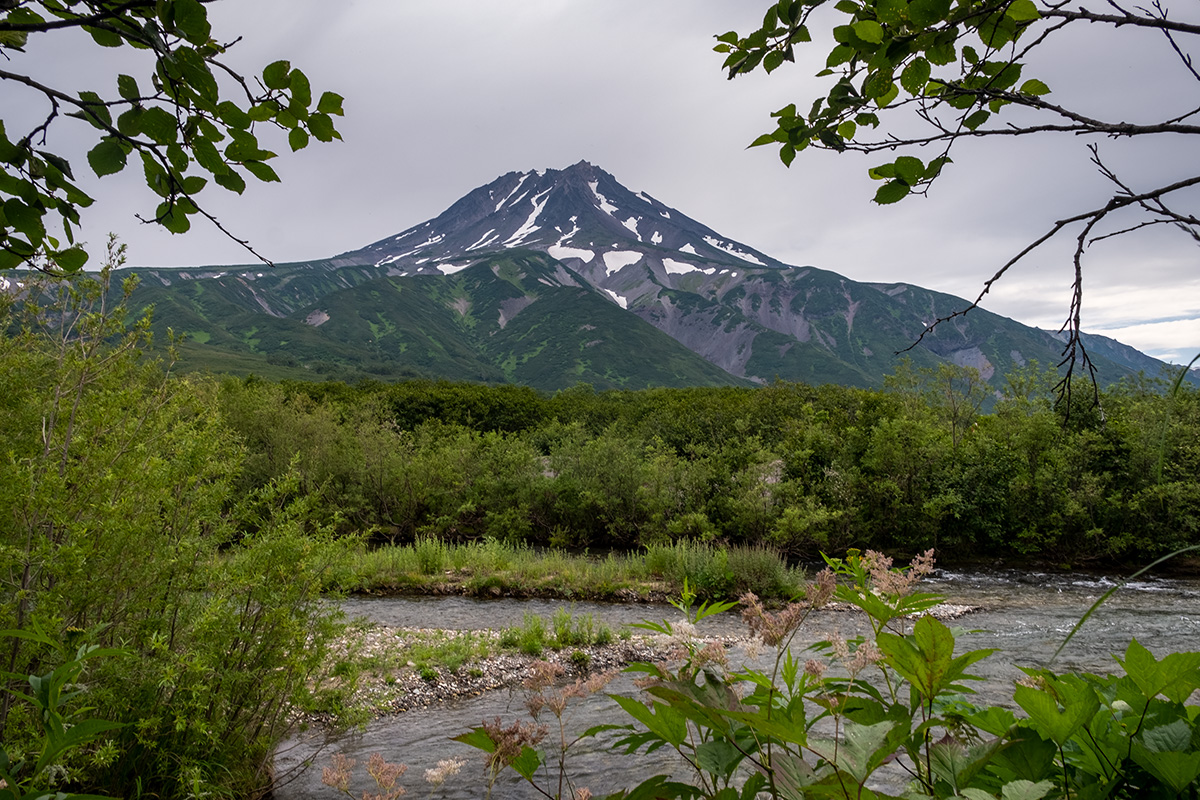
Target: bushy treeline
(799, 468)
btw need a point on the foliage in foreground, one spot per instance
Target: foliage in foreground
(895, 697)
(121, 529)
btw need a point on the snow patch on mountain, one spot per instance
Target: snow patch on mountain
(528, 227)
(560, 252)
(450, 269)
(601, 200)
(632, 224)
(687, 248)
(656, 238)
(483, 240)
(618, 260)
(733, 251)
(500, 205)
(621, 301)
(674, 267)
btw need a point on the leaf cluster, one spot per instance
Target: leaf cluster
(191, 120)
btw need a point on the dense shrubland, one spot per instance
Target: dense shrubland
(796, 468)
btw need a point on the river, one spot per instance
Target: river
(1025, 615)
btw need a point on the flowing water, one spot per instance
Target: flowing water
(1025, 615)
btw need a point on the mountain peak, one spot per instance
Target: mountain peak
(580, 215)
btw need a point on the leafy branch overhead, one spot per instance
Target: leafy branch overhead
(913, 74)
(191, 120)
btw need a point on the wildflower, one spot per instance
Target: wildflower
(711, 653)
(583, 793)
(338, 776)
(814, 668)
(772, 629)
(821, 590)
(385, 776)
(444, 769)
(511, 741)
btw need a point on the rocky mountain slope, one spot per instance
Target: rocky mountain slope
(554, 277)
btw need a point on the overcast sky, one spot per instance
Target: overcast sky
(445, 95)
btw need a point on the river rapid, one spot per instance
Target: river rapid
(1025, 615)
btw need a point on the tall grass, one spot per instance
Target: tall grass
(491, 567)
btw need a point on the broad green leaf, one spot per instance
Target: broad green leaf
(264, 172)
(26, 219)
(301, 92)
(97, 112)
(158, 124)
(663, 721)
(191, 20)
(1034, 87)
(915, 76)
(718, 757)
(910, 170)
(107, 158)
(1028, 755)
(869, 31)
(275, 75)
(233, 115)
(1178, 770)
(71, 260)
(926, 13)
(526, 764)
(847, 6)
(127, 87)
(1080, 704)
(847, 130)
(297, 139)
(330, 103)
(976, 119)
(105, 37)
(773, 61)
(1175, 677)
(231, 180)
(766, 138)
(321, 127)
(892, 192)
(1023, 11)
(891, 94)
(892, 12)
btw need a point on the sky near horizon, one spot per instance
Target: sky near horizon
(442, 96)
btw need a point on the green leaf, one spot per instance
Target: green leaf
(910, 170)
(321, 126)
(26, 219)
(773, 61)
(297, 139)
(105, 37)
(70, 260)
(275, 75)
(127, 87)
(330, 103)
(193, 184)
(158, 125)
(892, 12)
(927, 13)
(1023, 11)
(915, 76)
(301, 92)
(96, 111)
(231, 180)
(1175, 677)
(718, 757)
(868, 30)
(262, 112)
(891, 94)
(787, 154)
(847, 6)
(107, 158)
(1034, 87)
(847, 130)
(191, 20)
(892, 192)
(262, 171)
(233, 115)
(976, 119)
(1079, 702)
(766, 138)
